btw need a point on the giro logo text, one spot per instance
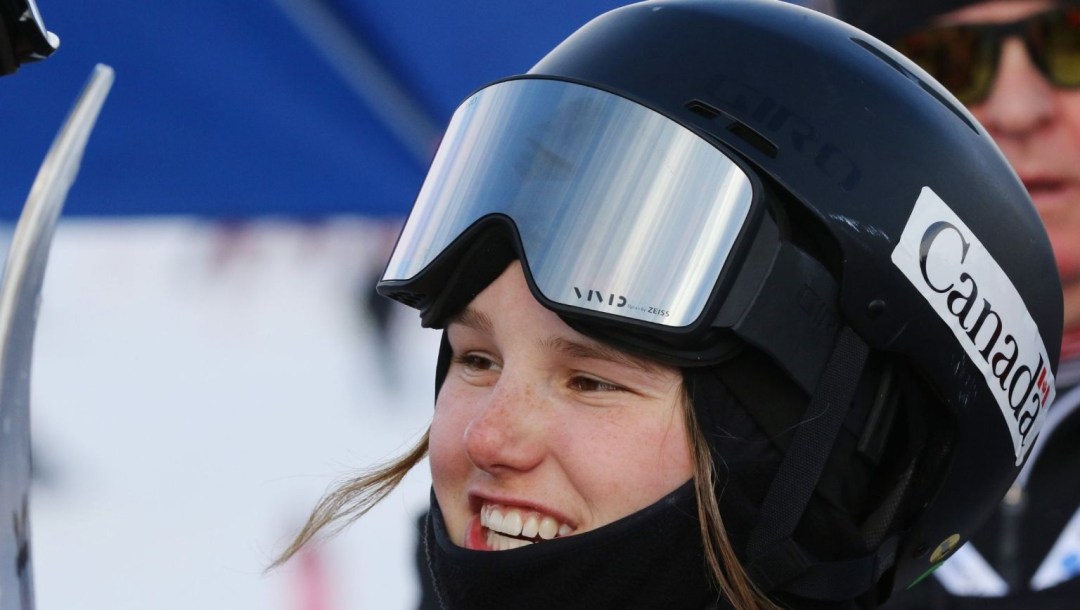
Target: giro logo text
(967, 288)
(784, 127)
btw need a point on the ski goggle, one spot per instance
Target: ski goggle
(618, 211)
(964, 58)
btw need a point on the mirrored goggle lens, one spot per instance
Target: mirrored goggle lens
(618, 209)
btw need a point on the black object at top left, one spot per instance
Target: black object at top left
(23, 36)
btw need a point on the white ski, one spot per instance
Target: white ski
(20, 295)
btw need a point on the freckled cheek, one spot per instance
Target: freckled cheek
(664, 462)
(676, 463)
(626, 469)
(449, 462)
(450, 467)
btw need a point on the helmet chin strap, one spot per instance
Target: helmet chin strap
(775, 561)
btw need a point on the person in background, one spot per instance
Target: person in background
(1016, 65)
(707, 342)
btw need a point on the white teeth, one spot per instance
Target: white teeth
(531, 527)
(548, 528)
(498, 542)
(505, 525)
(511, 523)
(495, 519)
(516, 543)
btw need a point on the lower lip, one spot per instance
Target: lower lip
(1060, 195)
(476, 536)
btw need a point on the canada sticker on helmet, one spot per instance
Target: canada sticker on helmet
(967, 288)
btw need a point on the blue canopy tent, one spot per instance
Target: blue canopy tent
(302, 108)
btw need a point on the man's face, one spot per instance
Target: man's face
(1037, 126)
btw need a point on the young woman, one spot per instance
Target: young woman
(738, 310)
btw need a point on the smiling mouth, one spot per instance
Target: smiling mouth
(510, 528)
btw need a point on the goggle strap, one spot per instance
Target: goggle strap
(758, 307)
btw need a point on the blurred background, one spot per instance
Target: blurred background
(211, 356)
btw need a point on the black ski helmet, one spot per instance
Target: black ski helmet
(883, 220)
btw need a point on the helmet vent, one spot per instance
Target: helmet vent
(702, 109)
(911, 76)
(735, 126)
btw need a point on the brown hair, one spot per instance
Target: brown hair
(352, 499)
(720, 558)
(356, 496)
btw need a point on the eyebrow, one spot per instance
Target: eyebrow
(599, 351)
(481, 322)
(473, 319)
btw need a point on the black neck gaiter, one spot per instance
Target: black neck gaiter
(650, 559)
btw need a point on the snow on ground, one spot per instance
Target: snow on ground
(196, 388)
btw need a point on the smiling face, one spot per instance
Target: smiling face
(1037, 126)
(541, 432)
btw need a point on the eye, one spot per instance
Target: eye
(583, 383)
(474, 362)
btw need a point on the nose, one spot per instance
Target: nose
(1020, 100)
(506, 433)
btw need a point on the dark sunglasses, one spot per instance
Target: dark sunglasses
(964, 58)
